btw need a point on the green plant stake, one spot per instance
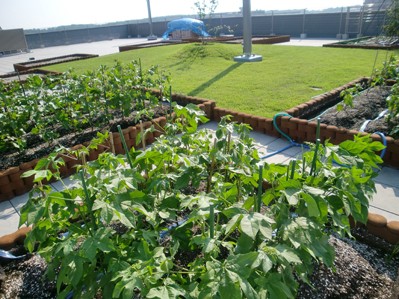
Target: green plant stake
(125, 146)
(287, 175)
(141, 72)
(211, 221)
(318, 129)
(88, 200)
(260, 183)
(293, 169)
(313, 168)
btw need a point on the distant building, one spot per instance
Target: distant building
(377, 5)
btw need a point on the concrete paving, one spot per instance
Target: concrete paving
(385, 201)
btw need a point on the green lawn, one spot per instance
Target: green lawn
(287, 76)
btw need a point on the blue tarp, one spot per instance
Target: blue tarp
(193, 25)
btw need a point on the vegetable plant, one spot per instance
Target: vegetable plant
(49, 107)
(197, 215)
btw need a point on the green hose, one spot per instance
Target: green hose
(278, 129)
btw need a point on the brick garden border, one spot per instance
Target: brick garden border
(350, 44)
(301, 130)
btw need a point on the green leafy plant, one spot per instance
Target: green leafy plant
(45, 108)
(348, 95)
(189, 216)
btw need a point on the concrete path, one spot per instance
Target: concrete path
(385, 201)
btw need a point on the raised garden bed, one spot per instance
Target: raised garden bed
(300, 129)
(228, 39)
(201, 222)
(263, 40)
(36, 64)
(11, 183)
(147, 45)
(368, 42)
(22, 76)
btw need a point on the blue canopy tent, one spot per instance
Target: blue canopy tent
(186, 24)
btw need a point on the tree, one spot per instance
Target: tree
(392, 27)
(206, 8)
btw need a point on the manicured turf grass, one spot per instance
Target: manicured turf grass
(287, 76)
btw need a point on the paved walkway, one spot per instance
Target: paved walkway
(385, 201)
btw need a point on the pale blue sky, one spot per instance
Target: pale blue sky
(30, 14)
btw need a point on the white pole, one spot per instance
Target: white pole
(247, 30)
(152, 36)
(247, 35)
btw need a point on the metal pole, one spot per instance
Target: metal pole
(303, 34)
(361, 22)
(339, 35)
(246, 9)
(152, 36)
(348, 9)
(272, 33)
(247, 38)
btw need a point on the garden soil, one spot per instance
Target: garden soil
(361, 271)
(366, 106)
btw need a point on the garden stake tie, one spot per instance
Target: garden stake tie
(125, 146)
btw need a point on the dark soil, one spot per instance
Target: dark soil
(366, 106)
(361, 271)
(38, 148)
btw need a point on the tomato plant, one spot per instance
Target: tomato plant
(189, 216)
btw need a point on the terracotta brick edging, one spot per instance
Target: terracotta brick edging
(379, 226)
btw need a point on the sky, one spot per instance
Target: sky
(29, 14)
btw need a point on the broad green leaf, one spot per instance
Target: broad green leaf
(76, 271)
(233, 223)
(249, 226)
(313, 209)
(289, 254)
(89, 248)
(229, 288)
(165, 292)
